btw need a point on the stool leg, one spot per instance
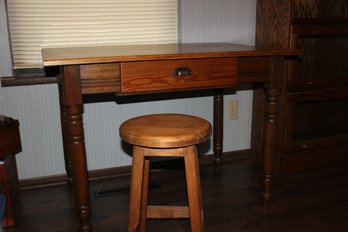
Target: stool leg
(144, 197)
(194, 189)
(136, 189)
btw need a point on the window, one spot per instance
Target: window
(35, 24)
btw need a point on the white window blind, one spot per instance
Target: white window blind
(35, 24)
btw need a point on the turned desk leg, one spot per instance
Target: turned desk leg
(79, 164)
(75, 144)
(270, 130)
(218, 126)
(271, 137)
(64, 126)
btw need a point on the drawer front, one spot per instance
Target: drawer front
(166, 75)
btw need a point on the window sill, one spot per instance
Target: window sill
(30, 77)
(13, 81)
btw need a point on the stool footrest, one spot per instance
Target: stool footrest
(160, 211)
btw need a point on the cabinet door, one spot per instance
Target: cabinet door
(314, 121)
(325, 59)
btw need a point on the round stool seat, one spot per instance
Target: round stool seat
(165, 130)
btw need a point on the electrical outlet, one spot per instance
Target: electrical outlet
(232, 110)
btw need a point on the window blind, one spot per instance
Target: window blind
(36, 24)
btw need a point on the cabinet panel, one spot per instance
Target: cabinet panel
(315, 123)
(319, 8)
(325, 58)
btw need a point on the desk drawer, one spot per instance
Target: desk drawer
(156, 76)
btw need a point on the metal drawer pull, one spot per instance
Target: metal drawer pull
(182, 71)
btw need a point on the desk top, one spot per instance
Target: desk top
(124, 53)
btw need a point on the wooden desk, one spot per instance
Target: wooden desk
(150, 69)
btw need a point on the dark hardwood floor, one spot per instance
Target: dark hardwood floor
(313, 201)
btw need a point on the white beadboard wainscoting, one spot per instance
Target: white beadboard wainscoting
(37, 107)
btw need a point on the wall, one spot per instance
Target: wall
(37, 107)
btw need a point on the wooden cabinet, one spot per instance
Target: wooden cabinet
(10, 144)
(314, 106)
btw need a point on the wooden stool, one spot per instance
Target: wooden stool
(171, 135)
